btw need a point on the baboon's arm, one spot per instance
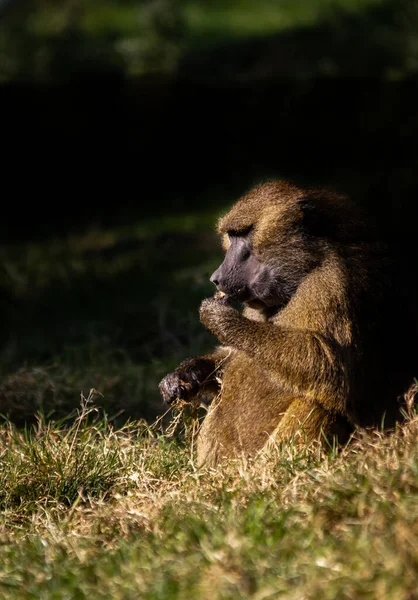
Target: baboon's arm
(200, 374)
(307, 363)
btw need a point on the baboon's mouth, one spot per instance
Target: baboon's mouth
(244, 295)
(241, 295)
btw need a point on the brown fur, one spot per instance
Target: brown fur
(337, 355)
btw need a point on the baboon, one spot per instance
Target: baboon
(326, 340)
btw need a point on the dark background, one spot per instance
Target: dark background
(141, 161)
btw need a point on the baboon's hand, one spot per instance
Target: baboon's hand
(182, 384)
(219, 317)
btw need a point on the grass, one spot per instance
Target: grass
(107, 308)
(243, 18)
(202, 19)
(92, 510)
(100, 499)
(138, 38)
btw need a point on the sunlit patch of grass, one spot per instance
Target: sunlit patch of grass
(215, 18)
(94, 19)
(244, 18)
(56, 464)
(59, 464)
(87, 509)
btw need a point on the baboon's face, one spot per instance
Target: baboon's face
(272, 240)
(247, 275)
(242, 276)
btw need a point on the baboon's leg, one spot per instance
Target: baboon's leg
(304, 422)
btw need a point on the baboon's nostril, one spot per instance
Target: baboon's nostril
(215, 278)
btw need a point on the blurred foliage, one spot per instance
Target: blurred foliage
(44, 40)
(56, 41)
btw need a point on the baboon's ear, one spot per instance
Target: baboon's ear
(314, 221)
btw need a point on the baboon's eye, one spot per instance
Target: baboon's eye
(240, 232)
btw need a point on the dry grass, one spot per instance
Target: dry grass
(88, 510)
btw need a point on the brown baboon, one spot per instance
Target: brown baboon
(325, 342)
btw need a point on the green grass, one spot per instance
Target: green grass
(244, 18)
(202, 19)
(96, 504)
(88, 510)
(111, 308)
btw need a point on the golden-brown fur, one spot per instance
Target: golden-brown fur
(337, 353)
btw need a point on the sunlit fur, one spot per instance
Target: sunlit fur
(337, 354)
